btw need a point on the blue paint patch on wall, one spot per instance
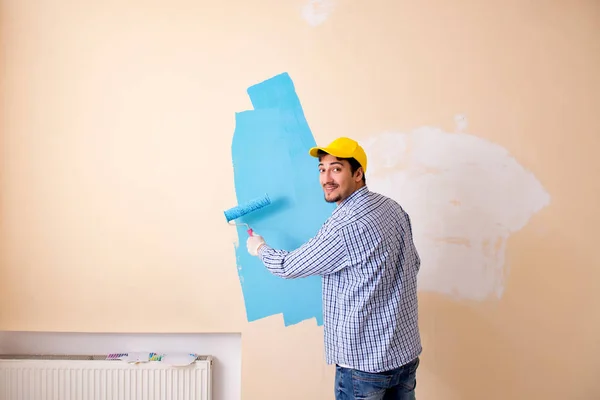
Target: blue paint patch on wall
(270, 155)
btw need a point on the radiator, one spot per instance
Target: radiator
(96, 378)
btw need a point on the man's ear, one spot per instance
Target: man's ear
(358, 174)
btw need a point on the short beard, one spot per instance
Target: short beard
(334, 200)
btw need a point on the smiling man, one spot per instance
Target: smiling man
(367, 259)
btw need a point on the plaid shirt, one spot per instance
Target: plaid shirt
(368, 263)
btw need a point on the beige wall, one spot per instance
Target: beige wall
(117, 120)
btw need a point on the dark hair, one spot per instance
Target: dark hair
(354, 165)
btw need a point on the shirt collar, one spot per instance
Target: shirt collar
(353, 198)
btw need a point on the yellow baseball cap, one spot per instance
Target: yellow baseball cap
(344, 147)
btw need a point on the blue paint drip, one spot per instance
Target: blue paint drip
(270, 155)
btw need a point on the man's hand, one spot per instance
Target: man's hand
(253, 244)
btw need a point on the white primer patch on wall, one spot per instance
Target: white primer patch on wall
(315, 12)
(465, 196)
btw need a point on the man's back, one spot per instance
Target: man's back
(370, 307)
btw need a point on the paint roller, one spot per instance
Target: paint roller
(246, 208)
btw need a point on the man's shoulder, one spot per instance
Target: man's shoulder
(365, 206)
(379, 198)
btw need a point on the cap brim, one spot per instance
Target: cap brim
(334, 152)
(315, 151)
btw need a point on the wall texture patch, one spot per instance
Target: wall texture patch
(465, 196)
(270, 155)
(316, 12)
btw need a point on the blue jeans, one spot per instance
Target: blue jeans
(397, 384)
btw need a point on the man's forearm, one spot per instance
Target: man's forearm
(316, 257)
(273, 260)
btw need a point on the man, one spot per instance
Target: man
(368, 262)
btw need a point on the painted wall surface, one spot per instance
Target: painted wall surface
(269, 156)
(118, 156)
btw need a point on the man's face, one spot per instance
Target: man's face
(336, 178)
